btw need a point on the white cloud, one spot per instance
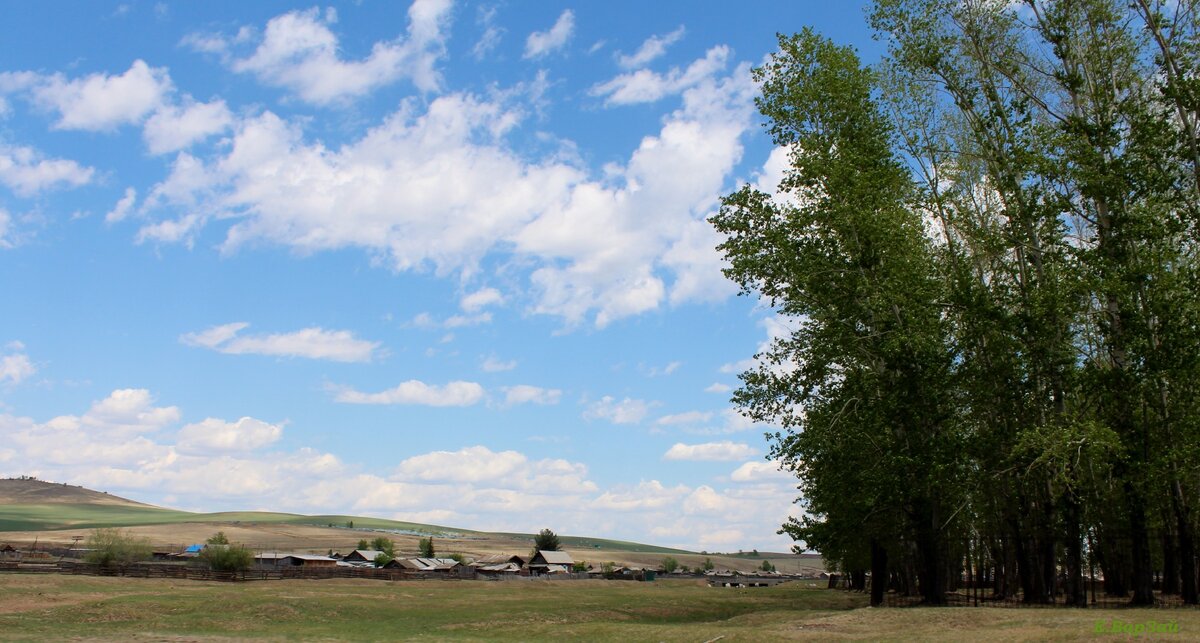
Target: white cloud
(300, 53)
(216, 464)
(491, 33)
(652, 48)
(493, 364)
(717, 387)
(724, 451)
(313, 343)
(123, 207)
(757, 471)
(645, 86)
(215, 435)
(100, 102)
(27, 172)
(526, 394)
(690, 417)
(5, 225)
(540, 43)
(626, 411)
(15, 367)
(173, 128)
(481, 299)
(457, 393)
(438, 189)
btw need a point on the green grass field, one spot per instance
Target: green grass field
(52, 607)
(23, 517)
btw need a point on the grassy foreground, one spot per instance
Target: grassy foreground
(55, 607)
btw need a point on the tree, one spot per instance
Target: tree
(226, 558)
(363, 544)
(112, 547)
(864, 378)
(669, 565)
(384, 545)
(383, 558)
(218, 538)
(545, 540)
(426, 547)
(708, 565)
(767, 566)
(580, 567)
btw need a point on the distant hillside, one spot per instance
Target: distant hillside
(25, 491)
(36, 506)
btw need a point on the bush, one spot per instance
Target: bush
(669, 564)
(111, 547)
(226, 558)
(767, 566)
(708, 565)
(426, 546)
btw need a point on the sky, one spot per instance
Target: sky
(444, 262)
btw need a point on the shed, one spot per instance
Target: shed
(361, 556)
(307, 560)
(550, 562)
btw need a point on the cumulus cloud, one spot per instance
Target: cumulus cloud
(690, 417)
(173, 128)
(27, 172)
(313, 343)
(724, 451)
(456, 393)
(299, 52)
(123, 206)
(760, 471)
(481, 299)
(493, 364)
(652, 48)
(526, 394)
(540, 43)
(645, 86)
(717, 387)
(486, 19)
(15, 365)
(212, 434)
(214, 464)
(438, 188)
(625, 411)
(101, 102)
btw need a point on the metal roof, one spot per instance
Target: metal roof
(557, 557)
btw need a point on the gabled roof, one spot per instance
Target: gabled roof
(364, 554)
(557, 557)
(499, 559)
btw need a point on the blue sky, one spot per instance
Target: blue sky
(444, 262)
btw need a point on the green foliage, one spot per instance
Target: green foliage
(767, 566)
(545, 540)
(218, 538)
(708, 565)
(426, 547)
(580, 566)
(384, 545)
(988, 245)
(226, 558)
(112, 547)
(363, 543)
(383, 558)
(457, 557)
(669, 565)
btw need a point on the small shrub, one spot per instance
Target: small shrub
(111, 547)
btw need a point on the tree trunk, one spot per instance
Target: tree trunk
(879, 573)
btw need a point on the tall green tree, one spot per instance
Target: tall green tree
(863, 384)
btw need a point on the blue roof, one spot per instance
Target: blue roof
(194, 549)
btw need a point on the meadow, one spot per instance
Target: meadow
(53, 607)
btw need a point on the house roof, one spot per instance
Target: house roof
(365, 554)
(194, 549)
(499, 559)
(310, 557)
(557, 557)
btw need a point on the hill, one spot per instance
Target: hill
(28, 491)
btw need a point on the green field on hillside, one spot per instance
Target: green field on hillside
(16, 517)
